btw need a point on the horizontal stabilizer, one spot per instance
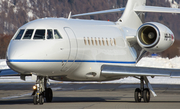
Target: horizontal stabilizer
(156, 9)
(111, 70)
(100, 12)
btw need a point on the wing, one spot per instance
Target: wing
(8, 72)
(111, 70)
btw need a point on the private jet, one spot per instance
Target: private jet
(71, 49)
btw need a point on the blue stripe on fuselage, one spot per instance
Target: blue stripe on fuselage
(88, 61)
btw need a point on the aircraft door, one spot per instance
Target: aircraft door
(72, 50)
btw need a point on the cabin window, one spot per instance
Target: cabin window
(39, 34)
(92, 41)
(19, 35)
(85, 41)
(96, 41)
(89, 41)
(57, 35)
(111, 41)
(99, 41)
(49, 34)
(107, 42)
(28, 34)
(114, 41)
(103, 42)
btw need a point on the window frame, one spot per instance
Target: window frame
(34, 31)
(44, 35)
(58, 32)
(15, 36)
(22, 38)
(85, 42)
(52, 34)
(107, 42)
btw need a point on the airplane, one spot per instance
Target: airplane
(67, 49)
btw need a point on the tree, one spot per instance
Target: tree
(71, 1)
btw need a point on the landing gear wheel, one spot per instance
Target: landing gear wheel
(35, 100)
(48, 94)
(146, 95)
(41, 99)
(137, 95)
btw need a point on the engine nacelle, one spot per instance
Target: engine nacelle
(154, 37)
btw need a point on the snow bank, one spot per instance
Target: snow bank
(3, 64)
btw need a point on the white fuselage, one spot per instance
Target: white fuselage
(85, 46)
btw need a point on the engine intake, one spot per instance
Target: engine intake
(154, 37)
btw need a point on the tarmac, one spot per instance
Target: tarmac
(89, 96)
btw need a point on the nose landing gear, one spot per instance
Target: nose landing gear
(41, 91)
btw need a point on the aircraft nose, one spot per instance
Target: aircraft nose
(12, 55)
(17, 57)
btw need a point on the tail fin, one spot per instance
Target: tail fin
(130, 18)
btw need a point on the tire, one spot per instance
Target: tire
(41, 99)
(48, 94)
(137, 95)
(35, 100)
(146, 95)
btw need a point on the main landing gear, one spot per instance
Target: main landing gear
(41, 91)
(143, 93)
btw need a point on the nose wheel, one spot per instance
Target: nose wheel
(41, 91)
(35, 100)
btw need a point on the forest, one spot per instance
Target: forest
(15, 13)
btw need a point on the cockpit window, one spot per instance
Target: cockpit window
(49, 34)
(57, 35)
(39, 34)
(19, 35)
(28, 34)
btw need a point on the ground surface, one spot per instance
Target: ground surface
(88, 96)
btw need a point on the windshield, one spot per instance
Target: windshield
(49, 34)
(19, 35)
(57, 35)
(39, 34)
(28, 34)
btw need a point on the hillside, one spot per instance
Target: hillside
(15, 13)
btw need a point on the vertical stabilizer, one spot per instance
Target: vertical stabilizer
(130, 18)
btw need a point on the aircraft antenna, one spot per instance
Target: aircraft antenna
(69, 15)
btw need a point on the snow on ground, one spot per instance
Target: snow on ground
(173, 4)
(146, 62)
(3, 64)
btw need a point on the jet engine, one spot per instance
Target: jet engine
(154, 37)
